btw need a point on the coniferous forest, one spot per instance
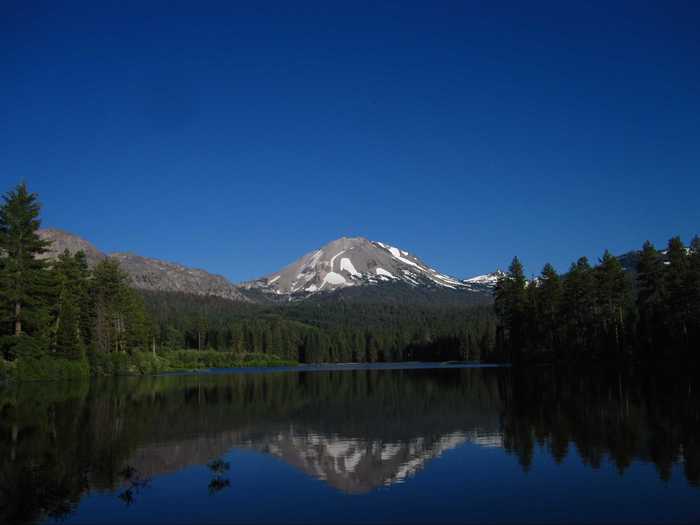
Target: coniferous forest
(603, 312)
(60, 318)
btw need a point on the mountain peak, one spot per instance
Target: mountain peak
(62, 240)
(352, 261)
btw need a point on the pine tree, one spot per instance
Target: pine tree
(612, 298)
(549, 303)
(511, 306)
(677, 278)
(120, 320)
(651, 295)
(694, 291)
(71, 277)
(579, 304)
(24, 280)
(532, 328)
(371, 348)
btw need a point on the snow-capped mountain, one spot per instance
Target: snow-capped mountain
(356, 261)
(485, 282)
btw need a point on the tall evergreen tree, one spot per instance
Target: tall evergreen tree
(651, 295)
(549, 303)
(579, 304)
(677, 279)
(24, 281)
(694, 290)
(612, 299)
(71, 277)
(511, 306)
(120, 322)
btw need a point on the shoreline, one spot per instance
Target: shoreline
(273, 368)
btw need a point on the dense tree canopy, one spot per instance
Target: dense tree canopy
(605, 311)
(311, 333)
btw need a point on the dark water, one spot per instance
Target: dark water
(389, 445)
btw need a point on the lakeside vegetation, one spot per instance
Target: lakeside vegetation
(60, 319)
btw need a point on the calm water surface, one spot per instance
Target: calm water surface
(448, 444)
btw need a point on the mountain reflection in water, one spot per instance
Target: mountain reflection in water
(358, 430)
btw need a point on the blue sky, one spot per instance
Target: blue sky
(238, 138)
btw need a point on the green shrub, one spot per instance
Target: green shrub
(6, 370)
(13, 346)
(199, 359)
(109, 364)
(121, 363)
(50, 368)
(146, 363)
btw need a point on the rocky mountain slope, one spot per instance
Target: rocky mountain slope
(146, 273)
(63, 240)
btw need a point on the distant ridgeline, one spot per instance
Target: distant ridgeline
(644, 305)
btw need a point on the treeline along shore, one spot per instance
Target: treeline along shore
(61, 318)
(647, 313)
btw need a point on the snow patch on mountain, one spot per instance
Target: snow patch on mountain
(397, 254)
(334, 278)
(335, 257)
(346, 265)
(383, 272)
(488, 279)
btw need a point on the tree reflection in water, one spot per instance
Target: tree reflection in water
(358, 430)
(218, 468)
(134, 483)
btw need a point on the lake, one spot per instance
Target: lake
(344, 444)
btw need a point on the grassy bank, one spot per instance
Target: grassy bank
(48, 368)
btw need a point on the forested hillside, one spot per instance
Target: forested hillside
(313, 332)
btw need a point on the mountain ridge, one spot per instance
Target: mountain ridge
(146, 273)
(347, 268)
(346, 262)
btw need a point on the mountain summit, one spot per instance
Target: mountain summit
(350, 262)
